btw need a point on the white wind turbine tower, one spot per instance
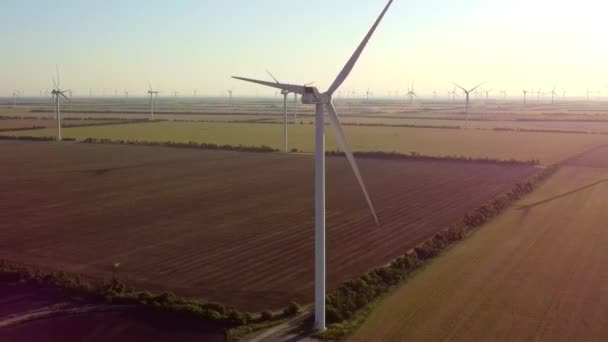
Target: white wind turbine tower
(324, 106)
(57, 93)
(525, 94)
(467, 93)
(153, 95)
(411, 94)
(367, 94)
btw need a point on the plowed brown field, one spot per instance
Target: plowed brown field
(223, 226)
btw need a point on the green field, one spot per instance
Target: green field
(547, 147)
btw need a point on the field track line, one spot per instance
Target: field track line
(53, 310)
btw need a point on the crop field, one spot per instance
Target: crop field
(20, 124)
(223, 226)
(536, 273)
(546, 147)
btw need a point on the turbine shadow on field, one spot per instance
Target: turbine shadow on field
(535, 204)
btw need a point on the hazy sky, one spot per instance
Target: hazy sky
(199, 44)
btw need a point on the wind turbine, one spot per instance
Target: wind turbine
(153, 95)
(324, 106)
(57, 93)
(16, 94)
(230, 96)
(504, 94)
(487, 91)
(367, 94)
(553, 95)
(525, 93)
(589, 92)
(284, 92)
(411, 94)
(467, 93)
(454, 94)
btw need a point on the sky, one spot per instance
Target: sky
(183, 45)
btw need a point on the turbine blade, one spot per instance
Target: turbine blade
(341, 138)
(456, 84)
(150, 86)
(58, 79)
(274, 78)
(353, 59)
(67, 98)
(480, 84)
(292, 88)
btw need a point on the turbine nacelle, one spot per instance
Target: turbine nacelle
(312, 95)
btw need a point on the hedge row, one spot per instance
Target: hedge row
(509, 129)
(416, 156)
(354, 295)
(118, 122)
(31, 138)
(191, 144)
(21, 129)
(400, 125)
(116, 292)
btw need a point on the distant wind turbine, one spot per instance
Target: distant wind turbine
(504, 94)
(454, 93)
(367, 94)
(153, 95)
(525, 93)
(58, 93)
(487, 91)
(230, 91)
(16, 94)
(411, 94)
(553, 95)
(467, 93)
(284, 92)
(324, 106)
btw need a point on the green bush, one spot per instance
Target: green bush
(292, 309)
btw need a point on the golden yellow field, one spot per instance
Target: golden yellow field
(547, 147)
(537, 273)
